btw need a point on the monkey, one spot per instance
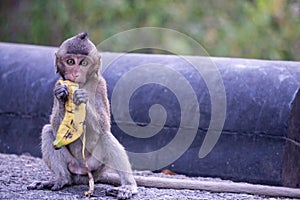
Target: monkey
(78, 60)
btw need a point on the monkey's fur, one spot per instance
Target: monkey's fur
(78, 60)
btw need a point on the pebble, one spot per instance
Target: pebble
(16, 172)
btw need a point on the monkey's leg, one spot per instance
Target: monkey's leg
(114, 156)
(56, 160)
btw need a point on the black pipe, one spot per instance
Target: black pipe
(257, 100)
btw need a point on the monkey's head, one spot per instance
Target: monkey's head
(77, 59)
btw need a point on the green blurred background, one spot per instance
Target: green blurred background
(265, 29)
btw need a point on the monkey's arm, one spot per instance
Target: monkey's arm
(102, 105)
(61, 93)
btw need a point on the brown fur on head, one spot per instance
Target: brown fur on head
(77, 45)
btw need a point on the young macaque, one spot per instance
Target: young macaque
(78, 60)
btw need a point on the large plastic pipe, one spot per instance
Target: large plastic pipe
(222, 117)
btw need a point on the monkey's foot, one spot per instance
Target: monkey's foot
(122, 192)
(50, 185)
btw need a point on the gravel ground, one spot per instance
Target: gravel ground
(16, 172)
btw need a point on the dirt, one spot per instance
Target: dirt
(17, 172)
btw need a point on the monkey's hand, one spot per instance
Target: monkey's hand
(80, 96)
(61, 92)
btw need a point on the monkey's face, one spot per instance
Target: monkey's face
(75, 67)
(77, 59)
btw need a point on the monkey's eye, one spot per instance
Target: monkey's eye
(70, 61)
(84, 63)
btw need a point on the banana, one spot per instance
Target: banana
(72, 126)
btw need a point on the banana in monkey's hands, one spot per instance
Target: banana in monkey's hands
(72, 126)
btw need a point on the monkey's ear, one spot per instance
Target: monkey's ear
(56, 57)
(100, 64)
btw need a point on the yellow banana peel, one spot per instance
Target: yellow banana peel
(72, 126)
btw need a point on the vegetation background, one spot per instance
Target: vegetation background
(265, 29)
